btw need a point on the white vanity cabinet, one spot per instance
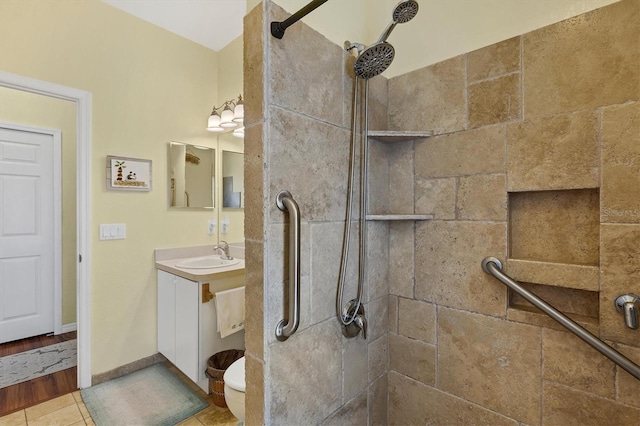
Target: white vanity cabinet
(187, 327)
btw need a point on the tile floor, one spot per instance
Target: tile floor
(69, 410)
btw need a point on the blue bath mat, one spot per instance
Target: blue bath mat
(151, 396)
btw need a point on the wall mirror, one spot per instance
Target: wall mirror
(191, 176)
(232, 180)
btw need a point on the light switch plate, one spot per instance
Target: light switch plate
(113, 231)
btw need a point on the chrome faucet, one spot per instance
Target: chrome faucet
(223, 247)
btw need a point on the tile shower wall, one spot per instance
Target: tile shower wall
(298, 119)
(527, 130)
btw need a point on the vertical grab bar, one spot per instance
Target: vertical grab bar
(288, 326)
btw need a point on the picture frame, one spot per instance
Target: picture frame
(128, 174)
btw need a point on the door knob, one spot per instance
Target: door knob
(627, 304)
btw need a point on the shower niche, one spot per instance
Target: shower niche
(554, 252)
(390, 137)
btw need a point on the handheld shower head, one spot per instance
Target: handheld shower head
(375, 59)
(404, 11)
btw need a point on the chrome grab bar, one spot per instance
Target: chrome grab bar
(288, 326)
(492, 266)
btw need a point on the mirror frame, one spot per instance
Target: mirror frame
(170, 179)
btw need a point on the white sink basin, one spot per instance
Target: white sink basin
(207, 262)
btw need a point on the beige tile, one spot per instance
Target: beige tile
(379, 195)
(583, 62)
(430, 98)
(570, 361)
(254, 65)
(299, 143)
(495, 101)
(378, 357)
(191, 421)
(215, 415)
(482, 197)
(326, 240)
(83, 410)
(377, 313)
(16, 419)
(565, 406)
(619, 274)
(255, 395)
(63, 416)
(580, 303)
(412, 358)
(555, 226)
(473, 347)
(306, 72)
(457, 154)
(401, 260)
(628, 389)
(448, 270)
(254, 298)
(353, 412)
(355, 368)
(50, 406)
(413, 403)
(393, 314)
(620, 159)
(535, 317)
(559, 152)
(401, 178)
(494, 60)
(254, 176)
(417, 320)
(557, 274)
(320, 393)
(436, 197)
(377, 266)
(378, 401)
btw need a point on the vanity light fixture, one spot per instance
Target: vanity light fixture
(227, 116)
(239, 132)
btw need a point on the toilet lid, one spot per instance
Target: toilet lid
(234, 376)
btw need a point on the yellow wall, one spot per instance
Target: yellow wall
(32, 110)
(230, 85)
(441, 30)
(149, 87)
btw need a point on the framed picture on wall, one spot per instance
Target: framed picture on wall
(128, 174)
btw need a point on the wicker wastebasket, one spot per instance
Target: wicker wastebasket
(216, 366)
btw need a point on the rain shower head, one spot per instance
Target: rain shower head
(375, 59)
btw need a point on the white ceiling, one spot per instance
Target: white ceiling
(211, 23)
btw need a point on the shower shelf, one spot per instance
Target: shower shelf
(390, 136)
(399, 217)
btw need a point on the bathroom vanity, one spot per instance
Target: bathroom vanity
(187, 322)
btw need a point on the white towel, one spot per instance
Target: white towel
(230, 311)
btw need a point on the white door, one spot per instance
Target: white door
(27, 227)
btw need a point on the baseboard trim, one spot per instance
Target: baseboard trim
(127, 368)
(66, 328)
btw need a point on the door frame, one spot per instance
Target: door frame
(83, 101)
(56, 136)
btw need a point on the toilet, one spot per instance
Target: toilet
(234, 388)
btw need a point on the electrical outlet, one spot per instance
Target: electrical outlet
(224, 225)
(211, 226)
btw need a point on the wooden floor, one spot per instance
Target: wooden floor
(27, 394)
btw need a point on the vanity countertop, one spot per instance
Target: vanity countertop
(200, 274)
(167, 259)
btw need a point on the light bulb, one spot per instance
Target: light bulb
(213, 125)
(239, 132)
(238, 113)
(227, 119)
